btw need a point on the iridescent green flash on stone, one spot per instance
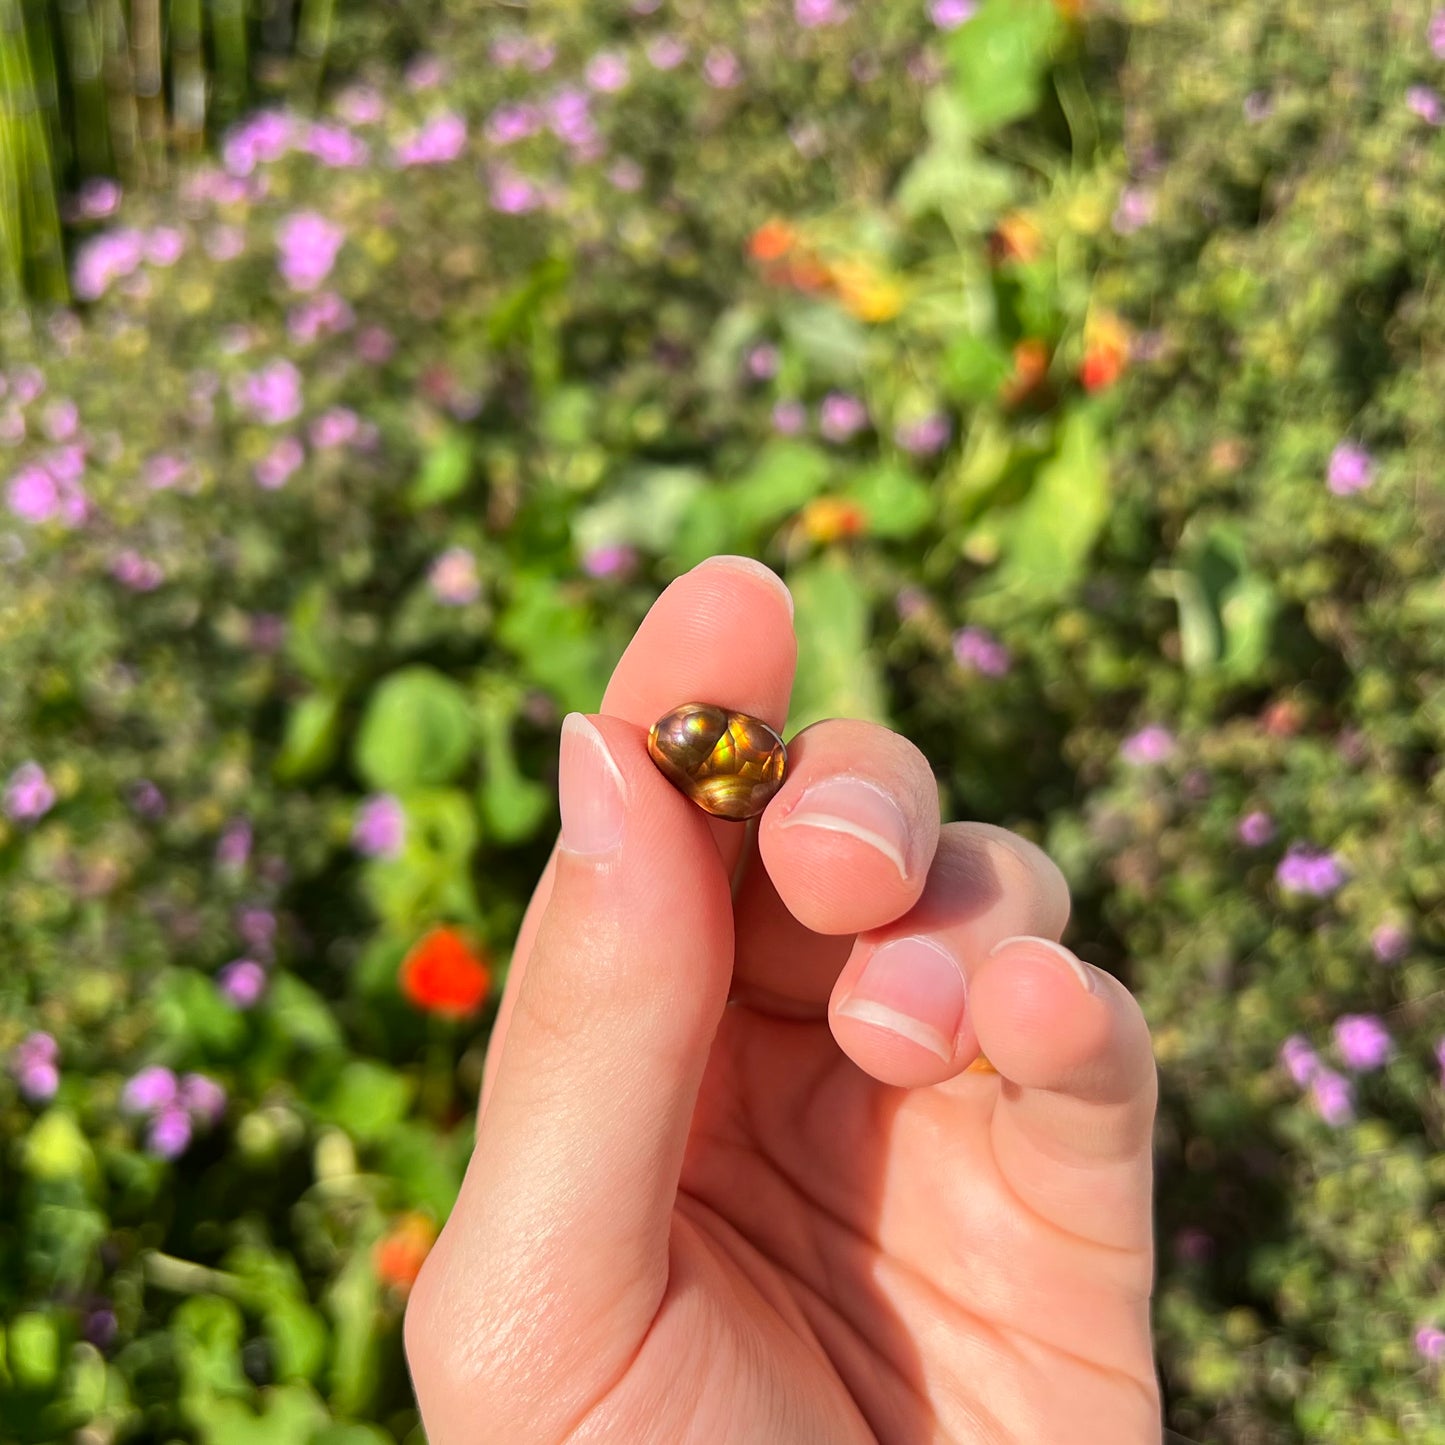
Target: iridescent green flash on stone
(728, 763)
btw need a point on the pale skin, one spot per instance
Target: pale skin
(724, 1190)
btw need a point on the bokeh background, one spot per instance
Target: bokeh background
(365, 371)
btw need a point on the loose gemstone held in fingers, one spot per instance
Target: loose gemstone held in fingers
(728, 763)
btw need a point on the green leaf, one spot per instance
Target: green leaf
(783, 477)
(1001, 58)
(365, 1099)
(555, 640)
(290, 1415)
(352, 1435)
(427, 1167)
(55, 1150)
(431, 877)
(354, 1304)
(33, 1349)
(515, 313)
(645, 508)
(313, 636)
(1047, 538)
(313, 728)
(301, 1017)
(193, 1018)
(513, 807)
(897, 503)
(417, 730)
(837, 669)
(951, 176)
(974, 369)
(445, 470)
(207, 1331)
(834, 345)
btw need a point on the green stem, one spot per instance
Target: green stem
(120, 91)
(145, 50)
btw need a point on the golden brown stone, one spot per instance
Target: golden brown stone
(728, 763)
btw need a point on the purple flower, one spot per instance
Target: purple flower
(257, 926)
(150, 1090)
(763, 362)
(1390, 942)
(375, 345)
(380, 827)
(28, 794)
(1426, 103)
(98, 198)
(335, 146)
(1440, 1059)
(1256, 829)
(454, 579)
(1258, 106)
(265, 136)
(789, 418)
(27, 383)
(277, 467)
(203, 1097)
(335, 427)
(841, 416)
(1351, 469)
(62, 420)
(324, 314)
(1363, 1041)
(234, 847)
(1429, 1339)
(426, 72)
(1436, 34)
(608, 72)
(101, 1327)
(147, 799)
(626, 175)
(242, 982)
(170, 1133)
(978, 650)
(224, 243)
(135, 572)
(273, 394)
(513, 193)
(510, 123)
(910, 603)
(721, 68)
(1134, 211)
(1193, 1244)
(164, 470)
(1309, 870)
(813, 13)
(614, 559)
(950, 14)
(12, 427)
(1333, 1095)
(268, 632)
(1151, 744)
(360, 105)
(569, 116)
(105, 259)
(32, 495)
(165, 245)
(666, 52)
(924, 437)
(440, 140)
(35, 1063)
(1300, 1059)
(308, 244)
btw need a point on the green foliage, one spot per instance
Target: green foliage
(1013, 527)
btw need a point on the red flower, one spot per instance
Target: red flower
(402, 1250)
(444, 975)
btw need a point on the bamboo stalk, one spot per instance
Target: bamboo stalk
(39, 37)
(313, 40)
(12, 240)
(120, 92)
(228, 35)
(188, 75)
(88, 129)
(145, 50)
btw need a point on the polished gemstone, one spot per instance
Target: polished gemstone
(728, 763)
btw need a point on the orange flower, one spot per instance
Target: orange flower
(402, 1250)
(804, 271)
(1016, 238)
(1070, 9)
(1106, 351)
(1031, 365)
(830, 519)
(772, 240)
(866, 293)
(443, 975)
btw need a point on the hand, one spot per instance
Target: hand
(735, 1180)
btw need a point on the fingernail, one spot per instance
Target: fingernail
(915, 989)
(758, 569)
(590, 789)
(1077, 967)
(860, 809)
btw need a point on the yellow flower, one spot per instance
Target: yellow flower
(865, 292)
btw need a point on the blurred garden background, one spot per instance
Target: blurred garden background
(367, 368)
